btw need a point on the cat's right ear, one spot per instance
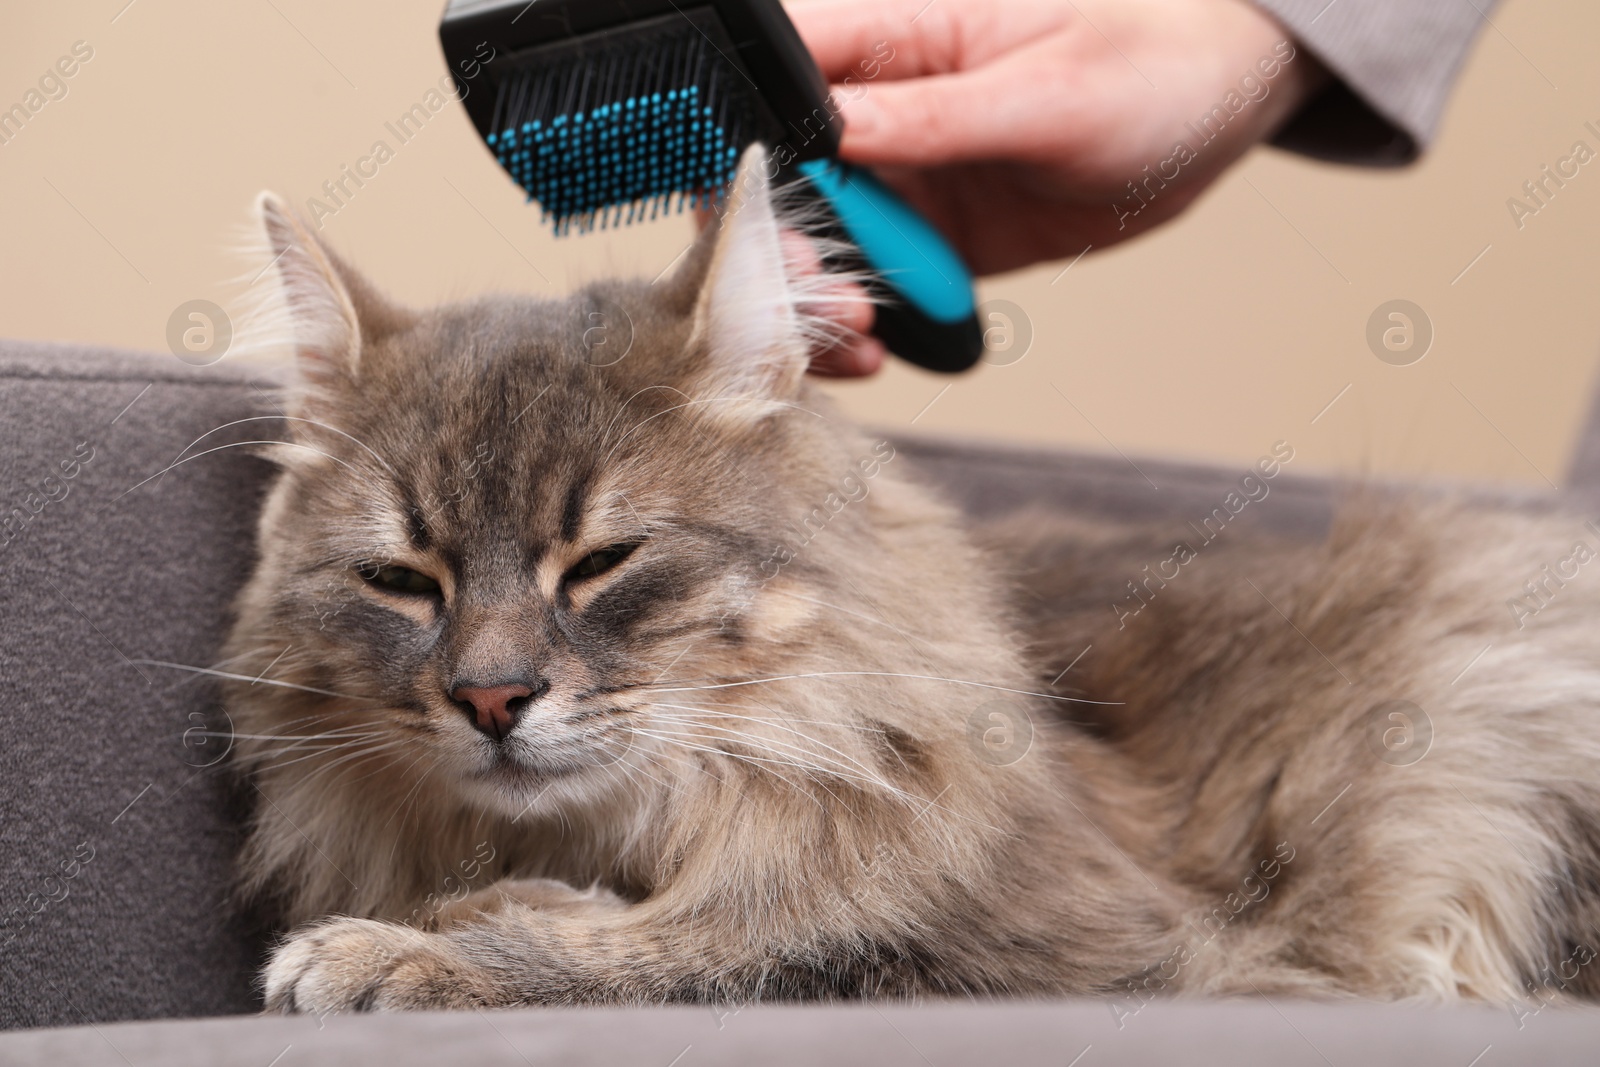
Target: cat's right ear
(758, 290)
(332, 312)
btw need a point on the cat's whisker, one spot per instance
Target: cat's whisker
(679, 741)
(342, 764)
(627, 770)
(315, 721)
(781, 757)
(922, 803)
(715, 708)
(271, 755)
(287, 733)
(336, 755)
(778, 719)
(878, 674)
(350, 747)
(291, 739)
(386, 765)
(643, 525)
(297, 742)
(895, 790)
(329, 715)
(655, 760)
(336, 732)
(287, 755)
(291, 418)
(748, 736)
(355, 732)
(637, 393)
(413, 794)
(231, 659)
(863, 616)
(235, 444)
(818, 773)
(848, 759)
(801, 757)
(240, 677)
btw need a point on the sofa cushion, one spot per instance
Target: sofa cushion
(1083, 1033)
(117, 818)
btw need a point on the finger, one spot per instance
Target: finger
(843, 306)
(940, 120)
(846, 37)
(841, 303)
(862, 357)
(846, 308)
(916, 38)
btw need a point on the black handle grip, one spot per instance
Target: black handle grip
(949, 347)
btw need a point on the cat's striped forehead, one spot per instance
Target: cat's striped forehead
(506, 448)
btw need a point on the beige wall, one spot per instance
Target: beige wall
(1213, 338)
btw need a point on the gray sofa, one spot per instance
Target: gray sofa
(118, 819)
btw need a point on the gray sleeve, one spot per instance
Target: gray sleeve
(1393, 63)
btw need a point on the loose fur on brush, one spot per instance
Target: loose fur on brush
(790, 731)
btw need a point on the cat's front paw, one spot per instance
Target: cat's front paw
(366, 965)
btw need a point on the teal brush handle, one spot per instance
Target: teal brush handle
(925, 308)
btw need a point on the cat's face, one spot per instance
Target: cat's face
(500, 521)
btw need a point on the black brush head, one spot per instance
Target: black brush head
(606, 111)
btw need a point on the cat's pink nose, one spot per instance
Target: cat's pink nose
(494, 709)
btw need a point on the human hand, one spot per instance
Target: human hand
(1030, 130)
(846, 308)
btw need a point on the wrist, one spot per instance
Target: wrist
(1302, 75)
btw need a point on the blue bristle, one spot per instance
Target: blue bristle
(606, 134)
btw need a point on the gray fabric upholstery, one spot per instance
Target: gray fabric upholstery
(1081, 1034)
(109, 571)
(991, 479)
(93, 742)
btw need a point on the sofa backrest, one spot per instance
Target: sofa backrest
(116, 821)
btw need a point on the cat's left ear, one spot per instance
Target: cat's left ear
(750, 324)
(332, 311)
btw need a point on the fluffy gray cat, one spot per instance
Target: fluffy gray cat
(647, 679)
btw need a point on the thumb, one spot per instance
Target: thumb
(925, 122)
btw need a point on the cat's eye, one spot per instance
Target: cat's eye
(600, 561)
(399, 580)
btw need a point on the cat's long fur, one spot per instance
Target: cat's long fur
(808, 739)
